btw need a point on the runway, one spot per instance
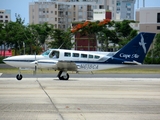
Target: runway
(81, 75)
(80, 99)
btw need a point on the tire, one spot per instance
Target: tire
(19, 77)
(64, 77)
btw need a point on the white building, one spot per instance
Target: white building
(5, 16)
(149, 19)
(62, 13)
(121, 9)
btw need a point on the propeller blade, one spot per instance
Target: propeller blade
(36, 65)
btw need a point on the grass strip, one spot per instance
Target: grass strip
(114, 71)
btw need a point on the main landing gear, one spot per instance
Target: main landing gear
(63, 75)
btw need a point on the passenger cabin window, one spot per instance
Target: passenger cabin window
(75, 55)
(90, 56)
(67, 54)
(83, 55)
(96, 57)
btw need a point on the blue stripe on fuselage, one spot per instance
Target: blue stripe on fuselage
(19, 60)
(109, 61)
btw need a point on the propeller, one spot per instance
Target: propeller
(36, 65)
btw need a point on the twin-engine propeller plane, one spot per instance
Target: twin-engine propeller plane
(71, 60)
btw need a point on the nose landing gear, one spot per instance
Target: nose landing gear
(19, 77)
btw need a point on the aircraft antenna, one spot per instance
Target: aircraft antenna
(61, 45)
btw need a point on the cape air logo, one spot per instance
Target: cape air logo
(142, 43)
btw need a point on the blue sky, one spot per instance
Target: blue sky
(22, 7)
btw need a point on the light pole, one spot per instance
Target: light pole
(143, 3)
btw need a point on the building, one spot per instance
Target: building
(5, 16)
(100, 14)
(61, 12)
(121, 9)
(149, 19)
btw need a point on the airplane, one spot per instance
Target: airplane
(64, 60)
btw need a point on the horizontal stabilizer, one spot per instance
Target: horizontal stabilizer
(132, 63)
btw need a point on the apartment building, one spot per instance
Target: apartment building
(149, 19)
(121, 9)
(5, 16)
(62, 13)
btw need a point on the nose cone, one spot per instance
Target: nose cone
(5, 60)
(9, 60)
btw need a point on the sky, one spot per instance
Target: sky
(21, 7)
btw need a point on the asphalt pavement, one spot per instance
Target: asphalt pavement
(80, 99)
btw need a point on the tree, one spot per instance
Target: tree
(153, 56)
(12, 34)
(61, 39)
(37, 34)
(91, 29)
(156, 49)
(124, 32)
(1, 35)
(107, 31)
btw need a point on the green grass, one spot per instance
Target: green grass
(129, 70)
(114, 71)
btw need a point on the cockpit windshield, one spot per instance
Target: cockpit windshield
(46, 53)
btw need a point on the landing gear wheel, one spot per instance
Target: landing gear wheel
(59, 74)
(19, 77)
(64, 77)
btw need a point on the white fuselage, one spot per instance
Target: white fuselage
(85, 61)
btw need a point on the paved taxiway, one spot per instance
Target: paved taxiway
(80, 99)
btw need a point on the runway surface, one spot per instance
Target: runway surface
(80, 99)
(86, 75)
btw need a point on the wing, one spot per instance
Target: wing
(57, 65)
(66, 65)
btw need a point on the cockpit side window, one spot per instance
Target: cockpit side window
(54, 54)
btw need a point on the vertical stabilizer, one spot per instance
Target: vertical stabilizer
(135, 50)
